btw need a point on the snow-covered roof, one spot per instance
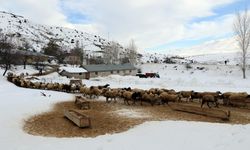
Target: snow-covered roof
(73, 69)
(109, 67)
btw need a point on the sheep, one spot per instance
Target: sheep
(103, 86)
(60, 87)
(110, 94)
(196, 95)
(238, 98)
(95, 91)
(186, 95)
(149, 97)
(21, 75)
(30, 84)
(23, 83)
(10, 76)
(82, 89)
(85, 91)
(37, 85)
(44, 86)
(171, 91)
(50, 86)
(56, 86)
(16, 81)
(66, 88)
(154, 91)
(209, 98)
(166, 97)
(127, 89)
(199, 95)
(137, 95)
(226, 96)
(215, 94)
(127, 95)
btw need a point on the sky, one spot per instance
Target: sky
(155, 25)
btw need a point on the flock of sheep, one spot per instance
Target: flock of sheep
(152, 96)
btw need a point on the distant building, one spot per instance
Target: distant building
(70, 72)
(105, 70)
(92, 71)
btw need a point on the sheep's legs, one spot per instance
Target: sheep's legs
(107, 100)
(202, 102)
(208, 105)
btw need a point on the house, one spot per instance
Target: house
(105, 70)
(76, 72)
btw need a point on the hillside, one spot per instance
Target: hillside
(24, 30)
(37, 35)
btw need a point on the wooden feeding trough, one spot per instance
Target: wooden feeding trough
(79, 119)
(211, 112)
(82, 103)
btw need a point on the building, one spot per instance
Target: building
(70, 72)
(105, 70)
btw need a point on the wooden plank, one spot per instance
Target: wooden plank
(211, 112)
(79, 119)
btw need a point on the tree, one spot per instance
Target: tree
(53, 49)
(242, 30)
(77, 52)
(111, 53)
(132, 52)
(6, 48)
(25, 47)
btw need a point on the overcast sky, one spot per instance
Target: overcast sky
(153, 24)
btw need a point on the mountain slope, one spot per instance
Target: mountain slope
(39, 35)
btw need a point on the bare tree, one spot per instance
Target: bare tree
(25, 47)
(111, 53)
(132, 52)
(6, 48)
(242, 31)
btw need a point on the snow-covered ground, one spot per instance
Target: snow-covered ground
(17, 104)
(174, 76)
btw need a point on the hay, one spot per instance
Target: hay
(109, 118)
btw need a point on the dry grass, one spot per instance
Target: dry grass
(108, 118)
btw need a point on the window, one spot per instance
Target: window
(80, 73)
(130, 71)
(96, 73)
(118, 71)
(111, 72)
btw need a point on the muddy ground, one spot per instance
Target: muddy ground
(109, 118)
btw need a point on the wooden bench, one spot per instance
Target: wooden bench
(211, 112)
(82, 103)
(81, 120)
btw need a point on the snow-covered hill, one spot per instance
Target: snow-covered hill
(39, 35)
(224, 45)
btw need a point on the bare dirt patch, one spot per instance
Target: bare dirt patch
(109, 118)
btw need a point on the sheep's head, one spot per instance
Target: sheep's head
(218, 92)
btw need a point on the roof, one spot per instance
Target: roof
(109, 67)
(73, 69)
